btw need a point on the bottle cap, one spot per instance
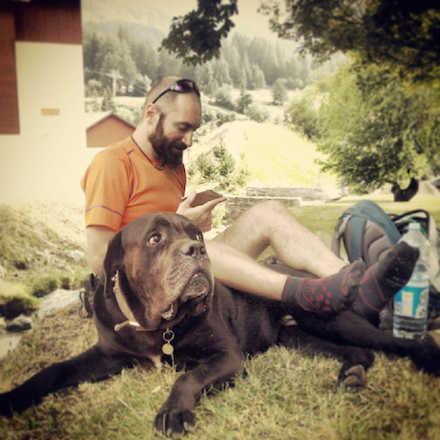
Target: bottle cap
(414, 226)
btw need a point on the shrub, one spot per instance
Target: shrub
(15, 300)
(256, 113)
(223, 118)
(206, 167)
(223, 98)
(40, 287)
(302, 116)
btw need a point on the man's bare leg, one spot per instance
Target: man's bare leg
(271, 224)
(322, 295)
(241, 272)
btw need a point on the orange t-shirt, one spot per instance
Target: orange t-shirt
(121, 184)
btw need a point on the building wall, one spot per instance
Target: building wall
(49, 156)
(107, 132)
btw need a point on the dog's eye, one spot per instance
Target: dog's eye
(199, 237)
(154, 239)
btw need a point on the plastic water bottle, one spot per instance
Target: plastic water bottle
(410, 318)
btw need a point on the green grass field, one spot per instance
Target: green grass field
(274, 155)
(285, 395)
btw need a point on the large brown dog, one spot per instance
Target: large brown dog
(159, 302)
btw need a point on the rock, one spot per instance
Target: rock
(45, 256)
(76, 255)
(19, 324)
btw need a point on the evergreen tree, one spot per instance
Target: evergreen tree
(279, 92)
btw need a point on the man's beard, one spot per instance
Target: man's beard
(164, 148)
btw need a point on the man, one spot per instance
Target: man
(144, 173)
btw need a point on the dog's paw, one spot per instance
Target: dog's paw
(353, 379)
(427, 359)
(174, 422)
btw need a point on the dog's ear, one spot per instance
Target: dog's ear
(113, 261)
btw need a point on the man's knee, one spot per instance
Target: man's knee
(269, 210)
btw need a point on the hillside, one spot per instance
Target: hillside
(42, 248)
(273, 154)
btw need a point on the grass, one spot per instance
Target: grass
(319, 218)
(284, 395)
(274, 155)
(35, 241)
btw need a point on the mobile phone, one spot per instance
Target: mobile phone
(205, 196)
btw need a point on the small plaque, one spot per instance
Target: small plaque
(50, 111)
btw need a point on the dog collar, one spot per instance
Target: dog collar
(168, 335)
(125, 309)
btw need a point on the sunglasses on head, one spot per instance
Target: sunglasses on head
(180, 86)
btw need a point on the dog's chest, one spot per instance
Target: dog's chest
(157, 361)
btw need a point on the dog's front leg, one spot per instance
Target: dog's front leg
(176, 415)
(92, 365)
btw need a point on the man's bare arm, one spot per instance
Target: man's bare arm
(98, 238)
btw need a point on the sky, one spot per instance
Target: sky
(248, 20)
(247, 12)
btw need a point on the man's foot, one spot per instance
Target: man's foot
(384, 279)
(325, 295)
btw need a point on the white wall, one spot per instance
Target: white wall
(48, 158)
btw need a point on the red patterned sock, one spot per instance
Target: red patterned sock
(384, 279)
(325, 295)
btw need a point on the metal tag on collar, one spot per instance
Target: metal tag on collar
(167, 348)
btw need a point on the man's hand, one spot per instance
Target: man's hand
(200, 215)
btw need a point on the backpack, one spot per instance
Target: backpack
(367, 231)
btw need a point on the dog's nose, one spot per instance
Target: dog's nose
(193, 249)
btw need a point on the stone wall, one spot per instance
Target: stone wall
(306, 194)
(236, 205)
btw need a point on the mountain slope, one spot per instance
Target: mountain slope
(274, 155)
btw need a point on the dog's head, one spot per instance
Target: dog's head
(163, 270)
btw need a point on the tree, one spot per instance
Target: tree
(279, 92)
(206, 167)
(244, 101)
(107, 101)
(378, 134)
(146, 59)
(302, 116)
(403, 35)
(226, 163)
(196, 37)
(223, 98)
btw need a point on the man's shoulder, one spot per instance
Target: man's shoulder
(115, 152)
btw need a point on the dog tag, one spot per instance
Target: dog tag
(167, 348)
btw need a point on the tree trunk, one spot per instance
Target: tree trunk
(405, 195)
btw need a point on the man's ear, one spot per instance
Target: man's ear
(114, 259)
(151, 113)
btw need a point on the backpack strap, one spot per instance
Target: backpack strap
(340, 228)
(356, 229)
(414, 215)
(353, 224)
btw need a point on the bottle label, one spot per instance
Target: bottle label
(412, 301)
